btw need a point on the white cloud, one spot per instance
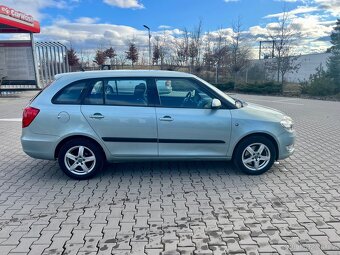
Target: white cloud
(164, 27)
(298, 10)
(291, 1)
(331, 6)
(83, 33)
(86, 20)
(228, 1)
(312, 30)
(134, 4)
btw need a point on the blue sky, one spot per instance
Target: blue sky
(89, 24)
(175, 13)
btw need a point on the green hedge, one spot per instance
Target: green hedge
(260, 88)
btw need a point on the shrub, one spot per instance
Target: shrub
(337, 96)
(320, 84)
(321, 87)
(260, 88)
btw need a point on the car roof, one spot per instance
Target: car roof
(122, 73)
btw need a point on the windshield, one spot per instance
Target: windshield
(219, 92)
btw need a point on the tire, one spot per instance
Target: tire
(255, 155)
(81, 159)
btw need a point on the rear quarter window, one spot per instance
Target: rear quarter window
(70, 94)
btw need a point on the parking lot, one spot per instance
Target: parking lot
(177, 207)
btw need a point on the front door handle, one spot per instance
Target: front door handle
(97, 116)
(166, 118)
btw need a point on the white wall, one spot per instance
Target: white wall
(308, 65)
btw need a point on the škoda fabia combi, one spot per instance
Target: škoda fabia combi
(85, 119)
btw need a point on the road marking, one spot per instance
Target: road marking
(12, 120)
(271, 101)
(286, 99)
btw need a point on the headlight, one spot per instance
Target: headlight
(287, 123)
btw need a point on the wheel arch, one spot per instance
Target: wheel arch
(69, 138)
(266, 135)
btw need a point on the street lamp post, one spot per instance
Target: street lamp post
(149, 43)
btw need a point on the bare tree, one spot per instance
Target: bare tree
(208, 57)
(283, 35)
(220, 53)
(239, 51)
(194, 47)
(198, 41)
(182, 48)
(121, 60)
(158, 51)
(192, 53)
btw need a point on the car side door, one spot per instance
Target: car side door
(187, 125)
(119, 111)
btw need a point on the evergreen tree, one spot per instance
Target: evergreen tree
(100, 58)
(132, 53)
(72, 57)
(111, 54)
(156, 54)
(333, 63)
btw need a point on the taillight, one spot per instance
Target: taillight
(29, 115)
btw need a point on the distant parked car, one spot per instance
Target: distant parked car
(84, 119)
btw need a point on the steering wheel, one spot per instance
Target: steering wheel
(187, 99)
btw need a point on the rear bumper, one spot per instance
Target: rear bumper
(286, 142)
(39, 146)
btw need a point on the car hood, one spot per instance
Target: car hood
(262, 112)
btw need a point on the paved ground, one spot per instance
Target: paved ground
(177, 208)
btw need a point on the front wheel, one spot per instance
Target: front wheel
(80, 159)
(255, 155)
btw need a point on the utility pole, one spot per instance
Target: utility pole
(264, 45)
(149, 43)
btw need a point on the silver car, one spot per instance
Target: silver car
(85, 119)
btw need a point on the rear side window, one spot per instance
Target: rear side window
(127, 92)
(71, 94)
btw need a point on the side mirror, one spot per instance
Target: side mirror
(238, 103)
(216, 103)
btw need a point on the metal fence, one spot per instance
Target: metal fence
(51, 60)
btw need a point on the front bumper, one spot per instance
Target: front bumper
(286, 142)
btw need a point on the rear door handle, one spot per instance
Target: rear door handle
(97, 116)
(166, 118)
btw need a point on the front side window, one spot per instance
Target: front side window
(70, 94)
(131, 92)
(182, 93)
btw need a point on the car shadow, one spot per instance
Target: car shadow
(226, 171)
(170, 168)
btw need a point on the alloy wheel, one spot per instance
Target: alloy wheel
(256, 156)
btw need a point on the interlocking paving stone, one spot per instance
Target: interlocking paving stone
(177, 207)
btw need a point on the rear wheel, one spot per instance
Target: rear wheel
(255, 155)
(80, 158)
